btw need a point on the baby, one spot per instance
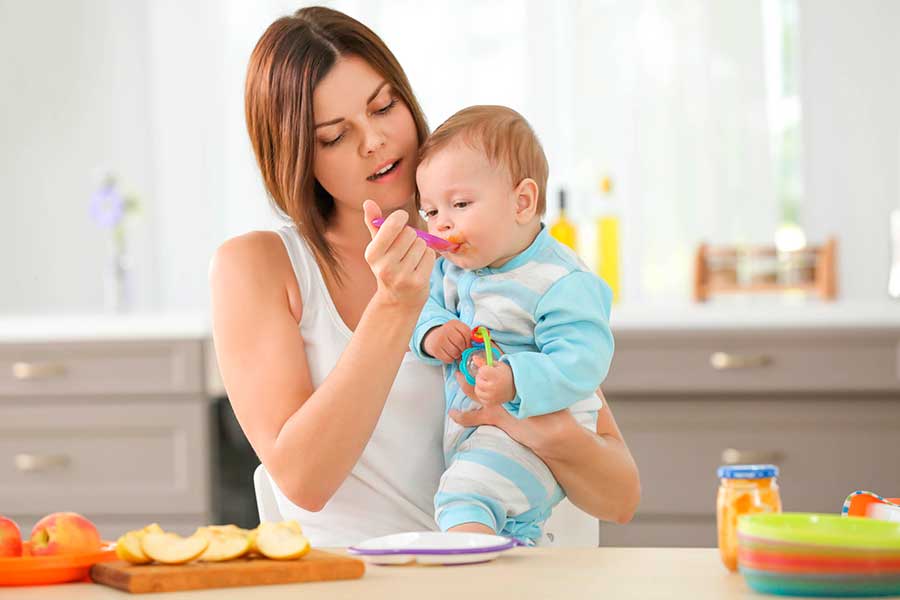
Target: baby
(482, 180)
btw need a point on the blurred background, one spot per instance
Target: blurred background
(732, 166)
(716, 121)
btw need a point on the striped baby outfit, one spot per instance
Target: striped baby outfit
(550, 316)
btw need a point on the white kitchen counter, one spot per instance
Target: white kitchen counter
(757, 315)
(769, 315)
(100, 327)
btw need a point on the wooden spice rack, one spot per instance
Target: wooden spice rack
(762, 269)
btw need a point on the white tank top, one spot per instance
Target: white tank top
(391, 488)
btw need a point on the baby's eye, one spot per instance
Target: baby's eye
(427, 214)
(461, 204)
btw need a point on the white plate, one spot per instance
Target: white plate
(432, 548)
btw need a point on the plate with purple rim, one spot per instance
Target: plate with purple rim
(432, 548)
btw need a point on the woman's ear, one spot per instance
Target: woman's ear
(526, 200)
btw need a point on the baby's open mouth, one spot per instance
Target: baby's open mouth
(458, 243)
(384, 170)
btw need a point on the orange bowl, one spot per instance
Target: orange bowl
(59, 568)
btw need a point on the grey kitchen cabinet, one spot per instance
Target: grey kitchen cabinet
(117, 430)
(822, 403)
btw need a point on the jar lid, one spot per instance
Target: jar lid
(747, 471)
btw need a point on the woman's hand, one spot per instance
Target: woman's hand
(596, 470)
(400, 260)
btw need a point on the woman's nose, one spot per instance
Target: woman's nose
(373, 139)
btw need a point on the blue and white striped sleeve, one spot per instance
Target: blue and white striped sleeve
(433, 314)
(576, 347)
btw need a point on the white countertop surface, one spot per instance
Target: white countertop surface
(522, 573)
(98, 327)
(757, 315)
(625, 318)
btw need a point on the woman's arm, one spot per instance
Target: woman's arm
(596, 471)
(310, 439)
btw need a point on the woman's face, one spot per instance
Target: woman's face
(366, 140)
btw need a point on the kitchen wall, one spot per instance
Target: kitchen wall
(851, 88)
(153, 89)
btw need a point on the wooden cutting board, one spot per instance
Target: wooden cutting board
(315, 566)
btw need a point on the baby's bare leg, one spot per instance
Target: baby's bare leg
(472, 528)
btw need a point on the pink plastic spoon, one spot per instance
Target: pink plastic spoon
(432, 241)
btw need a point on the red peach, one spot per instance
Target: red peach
(64, 533)
(10, 538)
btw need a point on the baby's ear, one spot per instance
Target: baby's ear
(526, 200)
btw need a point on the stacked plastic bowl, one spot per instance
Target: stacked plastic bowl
(807, 554)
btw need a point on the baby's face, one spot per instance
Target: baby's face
(467, 201)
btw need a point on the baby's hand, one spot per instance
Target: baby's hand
(495, 384)
(447, 342)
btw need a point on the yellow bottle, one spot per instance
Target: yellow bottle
(608, 259)
(563, 229)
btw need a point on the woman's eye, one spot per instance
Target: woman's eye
(334, 141)
(386, 109)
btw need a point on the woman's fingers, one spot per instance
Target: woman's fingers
(384, 237)
(414, 254)
(371, 211)
(472, 418)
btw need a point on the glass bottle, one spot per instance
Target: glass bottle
(743, 490)
(562, 229)
(607, 252)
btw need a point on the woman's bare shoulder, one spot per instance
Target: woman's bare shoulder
(250, 249)
(257, 259)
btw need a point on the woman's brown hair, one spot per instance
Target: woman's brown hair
(293, 55)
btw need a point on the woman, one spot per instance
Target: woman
(312, 322)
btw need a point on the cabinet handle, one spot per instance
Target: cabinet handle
(31, 463)
(723, 361)
(733, 456)
(25, 371)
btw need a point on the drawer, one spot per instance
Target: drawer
(105, 459)
(825, 448)
(754, 362)
(661, 533)
(147, 367)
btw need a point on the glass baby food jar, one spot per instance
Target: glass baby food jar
(743, 490)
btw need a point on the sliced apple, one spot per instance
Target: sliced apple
(172, 549)
(293, 525)
(225, 542)
(281, 541)
(128, 547)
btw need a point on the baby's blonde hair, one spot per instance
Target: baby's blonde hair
(505, 138)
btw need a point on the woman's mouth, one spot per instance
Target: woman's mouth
(385, 171)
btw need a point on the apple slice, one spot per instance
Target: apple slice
(293, 525)
(225, 542)
(172, 549)
(281, 541)
(128, 547)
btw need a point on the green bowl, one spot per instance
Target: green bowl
(822, 530)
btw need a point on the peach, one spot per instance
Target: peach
(64, 533)
(10, 538)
